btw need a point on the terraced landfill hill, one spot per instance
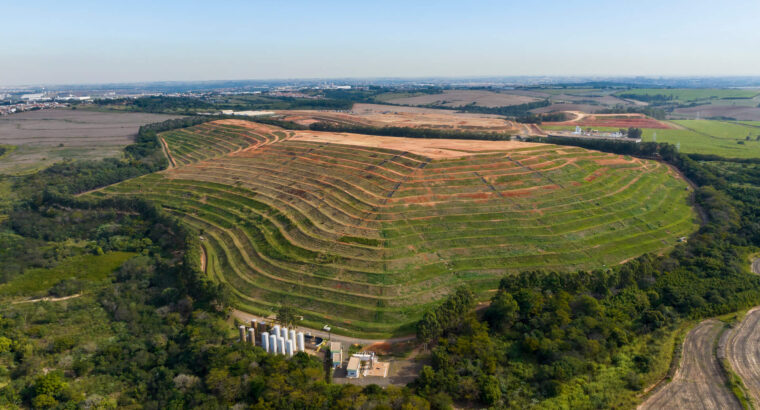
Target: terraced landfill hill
(364, 233)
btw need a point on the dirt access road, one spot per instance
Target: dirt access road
(698, 382)
(48, 299)
(743, 352)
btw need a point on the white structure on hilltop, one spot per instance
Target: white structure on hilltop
(289, 347)
(265, 341)
(301, 343)
(272, 343)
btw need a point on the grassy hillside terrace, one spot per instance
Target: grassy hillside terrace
(365, 239)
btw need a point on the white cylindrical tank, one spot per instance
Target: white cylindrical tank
(254, 323)
(289, 347)
(301, 342)
(272, 344)
(265, 341)
(252, 336)
(284, 333)
(241, 330)
(281, 345)
(293, 337)
(276, 330)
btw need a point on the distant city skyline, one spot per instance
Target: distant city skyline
(88, 42)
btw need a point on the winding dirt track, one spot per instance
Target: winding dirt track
(168, 153)
(47, 299)
(699, 381)
(743, 351)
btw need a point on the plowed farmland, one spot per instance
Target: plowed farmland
(364, 233)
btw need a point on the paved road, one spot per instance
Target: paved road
(246, 317)
(698, 382)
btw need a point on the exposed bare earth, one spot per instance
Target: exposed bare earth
(699, 381)
(376, 115)
(433, 148)
(73, 127)
(458, 98)
(743, 352)
(48, 136)
(612, 120)
(741, 113)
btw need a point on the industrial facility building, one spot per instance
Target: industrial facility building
(336, 352)
(352, 370)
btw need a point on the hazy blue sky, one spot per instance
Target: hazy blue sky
(108, 41)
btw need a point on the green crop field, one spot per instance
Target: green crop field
(365, 239)
(693, 94)
(725, 138)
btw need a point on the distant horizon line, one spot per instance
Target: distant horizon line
(387, 78)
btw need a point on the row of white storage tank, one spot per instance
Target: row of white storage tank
(281, 340)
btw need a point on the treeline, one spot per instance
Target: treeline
(546, 335)
(446, 316)
(288, 125)
(539, 118)
(408, 132)
(656, 113)
(192, 105)
(158, 104)
(651, 98)
(306, 104)
(514, 111)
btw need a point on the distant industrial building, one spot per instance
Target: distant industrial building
(34, 97)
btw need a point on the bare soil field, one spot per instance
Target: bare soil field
(570, 98)
(377, 115)
(458, 98)
(73, 127)
(48, 136)
(699, 382)
(613, 120)
(740, 113)
(743, 353)
(433, 148)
